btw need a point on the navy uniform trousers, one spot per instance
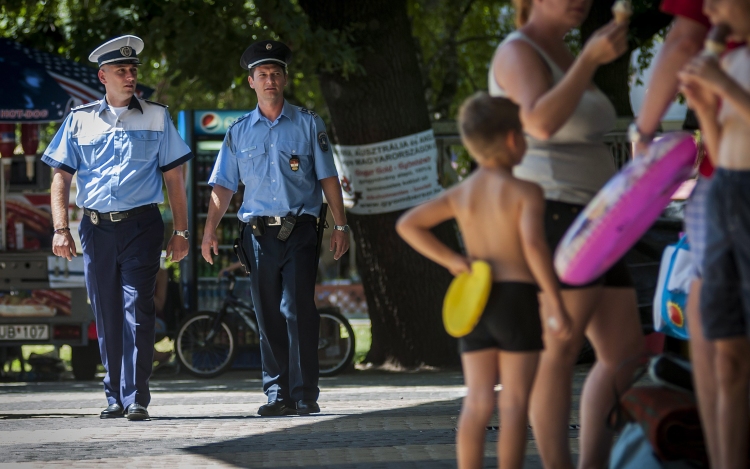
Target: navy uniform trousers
(283, 290)
(121, 260)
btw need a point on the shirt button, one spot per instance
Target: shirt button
(272, 145)
(274, 198)
(271, 162)
(273, 180)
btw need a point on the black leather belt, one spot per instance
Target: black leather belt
(277, 221)
(96, 217)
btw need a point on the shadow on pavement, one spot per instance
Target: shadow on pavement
(417, 436)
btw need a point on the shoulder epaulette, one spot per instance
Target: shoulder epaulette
(154, 102)
(84, 106)
(307, 111)
(229, 129)
(239, 119)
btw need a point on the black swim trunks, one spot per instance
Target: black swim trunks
(558, 216)
(510, 321)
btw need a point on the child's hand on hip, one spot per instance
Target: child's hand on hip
(458, 265)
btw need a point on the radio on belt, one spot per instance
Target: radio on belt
(287, 225)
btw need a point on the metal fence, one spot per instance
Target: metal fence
(619, 147)
(617, 142)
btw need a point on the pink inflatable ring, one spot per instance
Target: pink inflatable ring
(624, 209)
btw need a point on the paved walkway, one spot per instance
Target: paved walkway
(369, 419)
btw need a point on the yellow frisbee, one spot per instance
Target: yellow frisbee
(466, 298)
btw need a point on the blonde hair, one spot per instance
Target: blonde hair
(523, 11)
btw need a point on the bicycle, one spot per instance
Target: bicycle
(207, 341)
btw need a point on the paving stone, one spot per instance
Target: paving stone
(368, 419)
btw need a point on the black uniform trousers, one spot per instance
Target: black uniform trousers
(121, 260)
(283, 290)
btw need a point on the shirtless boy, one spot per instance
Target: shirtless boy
(501, 221)
(725, 295)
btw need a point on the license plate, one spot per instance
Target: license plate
(24, 331)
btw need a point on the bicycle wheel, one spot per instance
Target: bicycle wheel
(336, 342)
(200, 357)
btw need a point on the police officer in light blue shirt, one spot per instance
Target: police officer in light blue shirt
(282, 155)
(120, 148)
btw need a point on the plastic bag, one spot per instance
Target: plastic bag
(670, 300)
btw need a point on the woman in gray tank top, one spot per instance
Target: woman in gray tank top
(565, 118)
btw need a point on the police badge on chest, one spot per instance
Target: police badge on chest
(294, 163)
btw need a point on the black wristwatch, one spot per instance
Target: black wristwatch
(184, 233)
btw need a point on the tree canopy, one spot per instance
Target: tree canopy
(193, 46)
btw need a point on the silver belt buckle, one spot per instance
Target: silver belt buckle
(112, 218)
(276, 221)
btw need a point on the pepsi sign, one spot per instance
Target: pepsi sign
(215, 122)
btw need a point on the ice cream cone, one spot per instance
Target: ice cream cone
(622, 10)
(716, 41)
(714, 48)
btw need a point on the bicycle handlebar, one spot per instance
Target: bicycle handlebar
(231, 278)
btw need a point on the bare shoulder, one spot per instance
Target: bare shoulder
(458, 190)
(526, 190)
(519, 58)
(516, 50)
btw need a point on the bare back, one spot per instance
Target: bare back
(488, 211)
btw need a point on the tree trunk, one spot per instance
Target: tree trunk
(404, 290)
(614, 78)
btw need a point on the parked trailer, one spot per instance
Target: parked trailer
(59, 316)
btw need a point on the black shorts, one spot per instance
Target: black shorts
(510, 320)
(558, 216)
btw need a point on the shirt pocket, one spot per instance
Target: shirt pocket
(91, 147)
(295, 159)
(144, 144)
(253, 163)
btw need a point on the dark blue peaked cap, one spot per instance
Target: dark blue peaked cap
(266, 52)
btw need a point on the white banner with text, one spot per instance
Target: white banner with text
(388, 176)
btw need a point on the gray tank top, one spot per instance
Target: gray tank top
(574, 163)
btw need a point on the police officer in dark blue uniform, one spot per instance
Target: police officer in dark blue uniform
(282, 155)
(120, 147)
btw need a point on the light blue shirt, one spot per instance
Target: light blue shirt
(264, 154)
(119, 161)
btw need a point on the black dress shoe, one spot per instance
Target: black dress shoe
(112, 411)
(136, 411)
(307, 407)
(275, 409)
